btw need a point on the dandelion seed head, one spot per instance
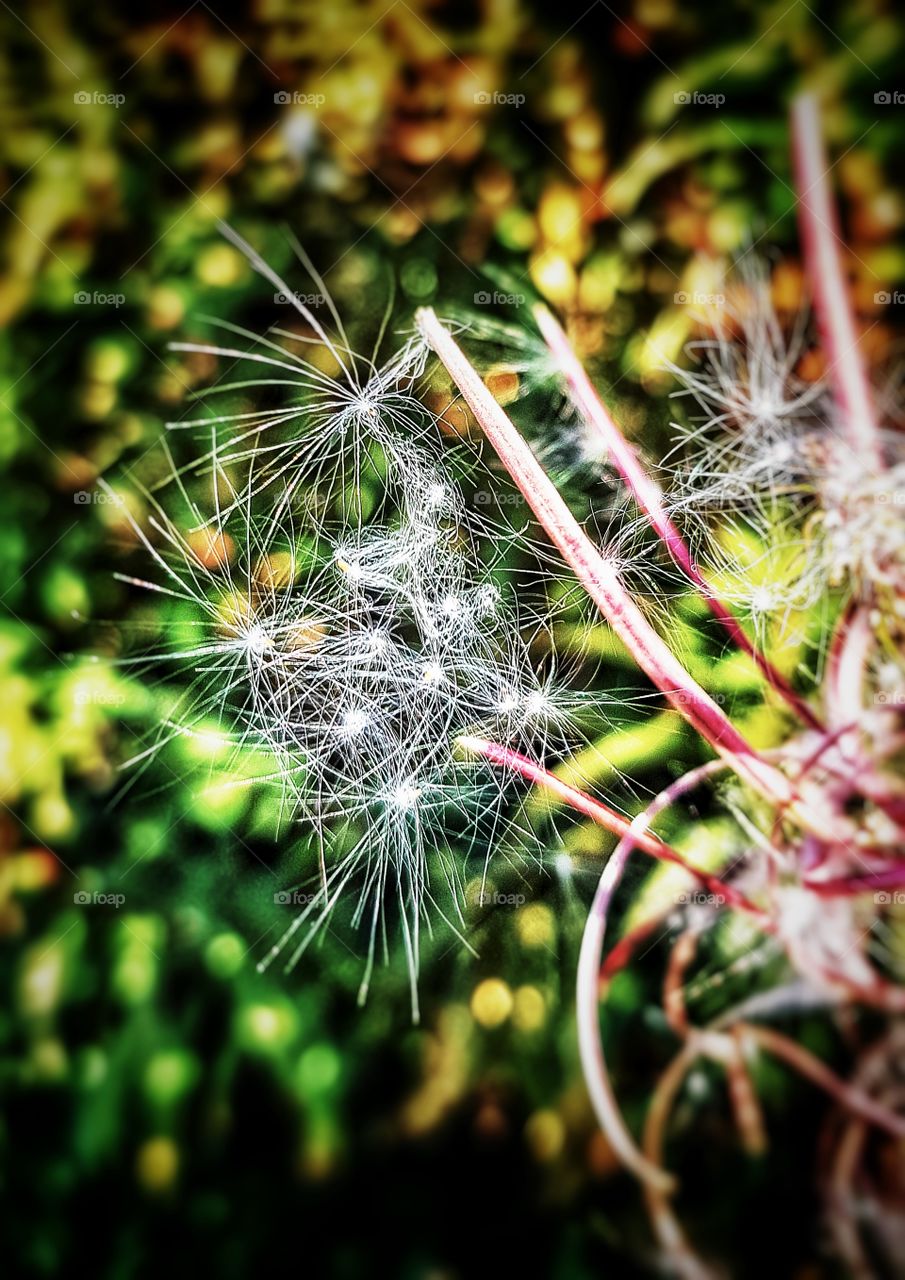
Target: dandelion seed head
(537, 703)
(365, 406)
(257, 641)
(863, 524)
(757, 413)
(351, 653)
(376, 641)
(437, 495)
(354, 722)
(405, 796)
(766, 596)
(767, 459)
(487, 600)
(349, 566)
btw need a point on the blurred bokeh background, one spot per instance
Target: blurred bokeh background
(166, 1107)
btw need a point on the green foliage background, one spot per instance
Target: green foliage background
(165, 1106)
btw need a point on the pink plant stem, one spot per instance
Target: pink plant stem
(603, 815)
(844, 1218)
(849, 654)
(593, 1059)
(648, 496)
(683, 1261)
(599, 576)
(624, 950)
(848, 886)
(849, 1095)
(749, 1116)
(820, 235)
(643, 488)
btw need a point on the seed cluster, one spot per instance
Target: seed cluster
(352, 650)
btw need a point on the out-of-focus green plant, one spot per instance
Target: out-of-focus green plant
(153, 1082)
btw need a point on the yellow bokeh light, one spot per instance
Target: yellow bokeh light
(530, 1009)
(545, 1134)
(491, 1002)
(535, 925)
(554, 276)
(157, 1164)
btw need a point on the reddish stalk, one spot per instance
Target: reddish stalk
(681, 957)
(820, 235)
(649, 498)
(604, 816)
(623, 951)
(855, 1099)
(600, 577)
(746, 1108)
(588, 993)
(847, 665)
(849, 886)
(684, 1261)
(850, 1096)
(843, 1198)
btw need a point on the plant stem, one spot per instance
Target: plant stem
(684, 1262)
(849, 1095)
(599, 576)
(871, 882)
(602, 814)
(647, 494)
(848, 662)
(587, 1005)
(820, 235)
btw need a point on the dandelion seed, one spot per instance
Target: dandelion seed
(353, 659)
(405, 797)
(258, 641)
(437, 495)
(537, 704)
(355, 722)
(487, 600)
